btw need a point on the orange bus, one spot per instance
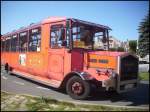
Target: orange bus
(62, 52)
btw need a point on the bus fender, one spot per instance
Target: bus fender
(82, 75)
(86, 76)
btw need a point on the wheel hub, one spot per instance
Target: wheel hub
(77, 88)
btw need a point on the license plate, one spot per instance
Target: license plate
(128, 86)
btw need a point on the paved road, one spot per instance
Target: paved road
(15, 84)
(143, 67)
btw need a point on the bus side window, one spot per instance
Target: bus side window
(23, 41)
(35, 40)
(7, 46)
(13, 43)
(17, 44)
(2, 45)
(55, 40)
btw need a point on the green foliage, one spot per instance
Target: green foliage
(144, 76)
(132, 46)
(143, 42)
(48, 104)
(112, 49)
(120, 49)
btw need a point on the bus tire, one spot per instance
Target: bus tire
(7, 69)
(77, 88)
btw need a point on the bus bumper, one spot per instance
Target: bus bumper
(120, 86)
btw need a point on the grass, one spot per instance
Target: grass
(144, 76)
(29, 103)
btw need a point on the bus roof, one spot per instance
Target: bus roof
(51, 20)
(91, 24)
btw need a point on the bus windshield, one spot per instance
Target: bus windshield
(89, 37)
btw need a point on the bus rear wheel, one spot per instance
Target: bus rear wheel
(77, 88)
(7, 69)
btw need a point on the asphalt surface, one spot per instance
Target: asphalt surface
(19, 85)
(143, 67)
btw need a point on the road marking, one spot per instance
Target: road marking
(20, 83)
(4, 77)
(39, 87)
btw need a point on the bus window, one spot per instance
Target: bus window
(23, 41)
(3, 45)
(35, 40)
(7, 46)
(98, 41)
(88, 37)
(17, 44)
(57, 36)
(14, 43)
(82, 37)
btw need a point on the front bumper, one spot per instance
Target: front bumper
(120, 86)
(127, 85)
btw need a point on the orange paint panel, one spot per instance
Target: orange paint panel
(35, 60)
(14, 59)
(67, 62)
(35, 64)
(111, 61)
(45, 45)
(56, 63)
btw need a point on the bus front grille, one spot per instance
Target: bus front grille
(129, 68)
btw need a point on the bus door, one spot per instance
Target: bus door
(56, 52)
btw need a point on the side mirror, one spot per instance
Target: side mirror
(61, 34)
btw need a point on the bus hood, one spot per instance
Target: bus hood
(108, 53)
(103, 59)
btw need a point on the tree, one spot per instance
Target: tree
(143, 41)
(112, 49)
(121, 49)
(132, 46)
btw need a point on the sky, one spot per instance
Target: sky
(122, 17)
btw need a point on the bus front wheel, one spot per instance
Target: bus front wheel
(77, 88)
